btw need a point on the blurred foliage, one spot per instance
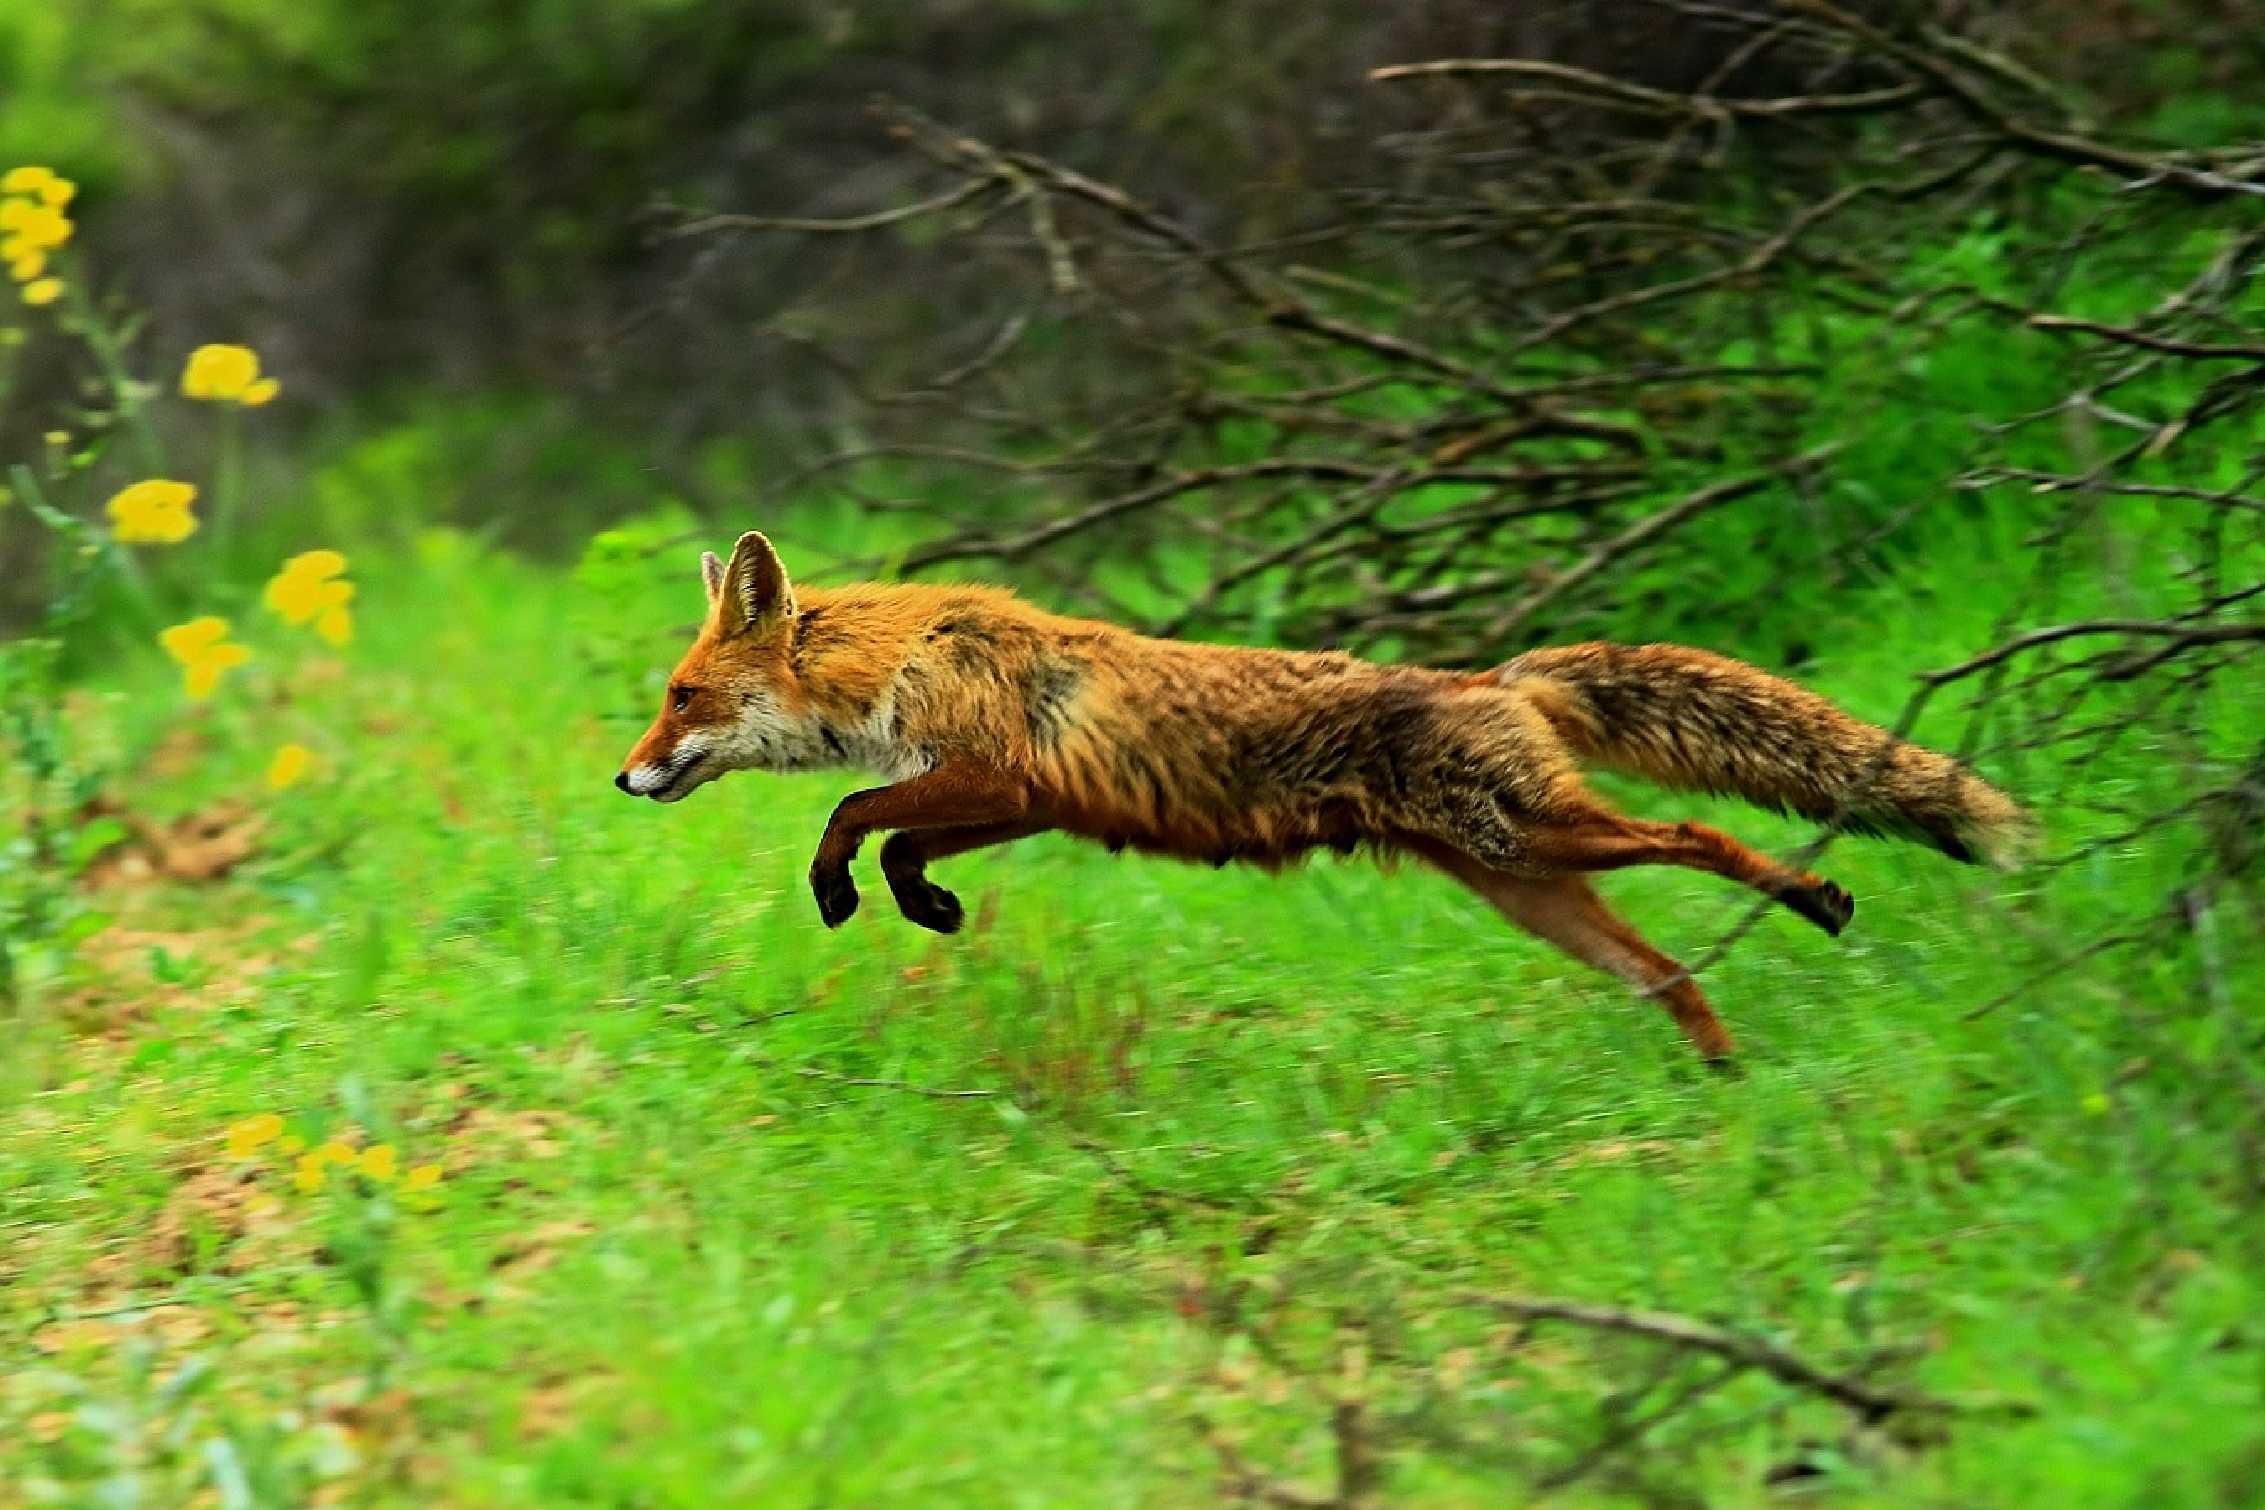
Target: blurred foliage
(55, 105)
(464, 193)
(394, 203)
(381, 191)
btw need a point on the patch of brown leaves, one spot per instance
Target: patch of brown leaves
(227, 1204)
(555, 1403)
(530, 1134)
(169, 1323)
(124, 983)
(197, 847)
(527, 1254)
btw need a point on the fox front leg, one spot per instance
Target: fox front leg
(907, 854)
(831, 884)
(946, 798)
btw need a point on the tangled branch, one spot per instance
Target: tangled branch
(1547, 379)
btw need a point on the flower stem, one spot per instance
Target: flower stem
(77, 534)
(110, 356)
(228, 484)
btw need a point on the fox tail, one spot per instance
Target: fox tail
(1695, 720)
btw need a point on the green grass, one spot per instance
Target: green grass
(1234, 1146)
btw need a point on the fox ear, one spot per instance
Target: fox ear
(711, 576)
(754, 590)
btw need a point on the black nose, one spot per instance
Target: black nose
(621, 779)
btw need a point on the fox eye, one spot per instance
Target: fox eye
(678, 697)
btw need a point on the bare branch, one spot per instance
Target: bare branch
(2065, 146)
(2199, 350)
(707, 225)
(1868, 1400)
(1638, 96)
(833, 1077)
(1642, 533)
(2181, 634)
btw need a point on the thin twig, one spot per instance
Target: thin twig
(1620, 91)
(1643, 532)
(834, 1077)
(1744, 1349)
(851, 225)
(2185, 634)
(2199, 350)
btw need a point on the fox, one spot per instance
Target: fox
(991, 720)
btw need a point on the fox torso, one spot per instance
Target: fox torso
(1209, 752)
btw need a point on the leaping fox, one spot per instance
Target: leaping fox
(993, 720)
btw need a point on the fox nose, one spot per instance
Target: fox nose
(621, 780)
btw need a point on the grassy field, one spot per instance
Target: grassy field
(1123, 1196)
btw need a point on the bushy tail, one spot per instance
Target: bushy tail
(1688, 718)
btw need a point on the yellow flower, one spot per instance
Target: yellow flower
(298, 599)
(379, 1163)
(185, 642)
(289, 766)
(202, 679)
(218, 371)
(290, 1144)
(33, 228)
(43, 291)
(309, 1175)
(423, 1177)
(316, 564)
(336, 1151)
(27, 266)
(309, 589)
(29, 179)
(154, 512)
(204, 650)
(246, 1136)
(226, 372)
(58, 191)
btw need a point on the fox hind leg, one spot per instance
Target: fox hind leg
(1566, 911)
(1605, 840)
(1555, 827)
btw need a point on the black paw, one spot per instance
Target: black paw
(1823, 903)
(836, 894)
(929, 905)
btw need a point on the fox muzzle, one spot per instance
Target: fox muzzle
(661, 780)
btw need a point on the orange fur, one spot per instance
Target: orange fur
(996, 720)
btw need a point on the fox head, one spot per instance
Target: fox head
(734, 702)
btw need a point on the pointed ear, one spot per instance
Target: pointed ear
(711, 576)
(755, 590)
